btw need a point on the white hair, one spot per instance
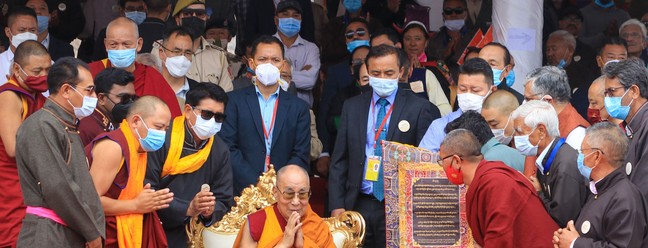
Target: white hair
(634, 22)
(566, 37)
(538, 112)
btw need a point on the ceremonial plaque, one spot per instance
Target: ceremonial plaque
(423, 209)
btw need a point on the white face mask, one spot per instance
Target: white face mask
(177, 66)
(500, 134)
(470, 101)
(18, 39)
(454, 25)
(205, 129)
(384, 86)
(525, 147)
(89, 105)
(267, 74)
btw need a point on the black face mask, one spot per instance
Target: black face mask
(119, 112)
(365, 88)
(195, 25)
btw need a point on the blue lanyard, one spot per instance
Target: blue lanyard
(547, 165)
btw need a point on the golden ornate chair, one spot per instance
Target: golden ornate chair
(348, 229)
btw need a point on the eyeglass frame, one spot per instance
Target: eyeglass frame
(287, 195)
(218, 117)
(360, 32)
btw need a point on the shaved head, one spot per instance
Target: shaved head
(461, 142)
(121, 26)
(292, 170)
(146, 106)
(27, 49)
(502, 100)
(598, 87)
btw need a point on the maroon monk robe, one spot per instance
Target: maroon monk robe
(504, 209)
(12, 209)
(148, 81)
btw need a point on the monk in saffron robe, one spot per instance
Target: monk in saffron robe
(122, 43)
(118, 167)
(503, 208)
(20, 97)
(290, 222)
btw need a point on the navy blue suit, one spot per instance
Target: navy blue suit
(243, 132)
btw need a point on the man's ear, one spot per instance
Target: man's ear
(251, 64)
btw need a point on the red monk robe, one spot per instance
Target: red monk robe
(267, 226)
(504, 209)
(148, 81)
(12, 209)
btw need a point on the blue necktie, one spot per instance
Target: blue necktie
(378, 186)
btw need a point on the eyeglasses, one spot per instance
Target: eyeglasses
(632, 35)
(123, 98)
(207, 115)
(361, 32)
(90, 89)
(440, 161)
(200, 13)
(291, 195)
(457, 11)
(610, 91)
(357, 62)
(177, 52)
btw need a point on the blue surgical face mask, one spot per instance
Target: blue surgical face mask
(355, 44)
(352, 5)
(122, 58)
(510, 78)
(614, 107)
(43, 23)
(582, 168)
(137, 16)
(604, 5)
(497, 73)
(289, 26)
(524, 146)
(153, 140)
(562, 64)
(384, 86)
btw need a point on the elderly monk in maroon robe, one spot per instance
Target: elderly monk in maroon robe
(290, 222)
(20, 97)
(122, 44)
(503, 208)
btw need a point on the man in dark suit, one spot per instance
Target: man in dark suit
(355, 176)
(151, 30)
(265, 125)
(260, 19)
(56, 47)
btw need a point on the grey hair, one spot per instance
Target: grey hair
(631, 71)
(565, 37)
(609, 138)
(538, 112)
(634, 22)
(463, 143)
(550, 80)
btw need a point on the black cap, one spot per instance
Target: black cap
(218, 22)
(288, 4)
(569, 11)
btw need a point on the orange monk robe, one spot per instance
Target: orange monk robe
(266, 227)
(148, 82)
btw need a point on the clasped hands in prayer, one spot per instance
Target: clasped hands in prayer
(150, 200)
(293, 234)
(563, 237)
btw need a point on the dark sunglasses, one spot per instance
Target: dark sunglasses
(124, 98)
(457, 11)
(191, 12)
(207, 115)
(361, 32)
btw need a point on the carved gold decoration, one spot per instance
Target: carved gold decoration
(351, 225)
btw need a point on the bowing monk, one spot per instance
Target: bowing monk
(290, 222)
(118, 166)
(123, 43)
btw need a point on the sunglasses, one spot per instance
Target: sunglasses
(291, 195)
(361, 32)
(124, 98)
(457, 11)
(207, 115)
(192, 12)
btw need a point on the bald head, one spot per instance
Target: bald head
(27, 49)
(503, 101)
(462, 143)
(122, 27)
(147, 106)
(597, 89)
(294, 172)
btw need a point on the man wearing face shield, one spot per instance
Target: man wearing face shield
(356, 177)
(558, 182)
(176, 55)
(115, 93)
(118, 166)
(20, 97)
(21, 26)
(123, 42)
(265, 125)
(475, 83)
(56, 47)
(192, 156)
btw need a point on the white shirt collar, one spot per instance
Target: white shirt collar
(46, 41)
(542, 156)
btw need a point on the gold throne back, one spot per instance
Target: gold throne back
(348, 229)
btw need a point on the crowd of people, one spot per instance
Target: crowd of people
(151, 121)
